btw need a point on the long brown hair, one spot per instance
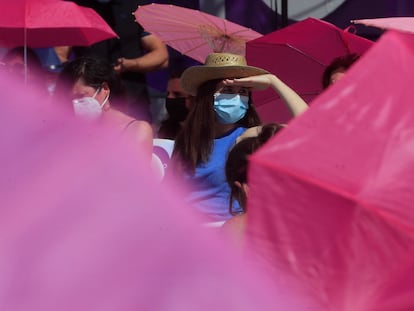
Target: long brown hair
(194, 143)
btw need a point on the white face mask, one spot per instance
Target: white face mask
(88, 107)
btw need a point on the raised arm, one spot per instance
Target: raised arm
(291, 99)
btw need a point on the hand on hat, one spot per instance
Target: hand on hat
(259, 82)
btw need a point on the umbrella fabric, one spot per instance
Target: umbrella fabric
(45, 23)
(398, 292)
(83, 226)
(332, 196)
(405, 24)
(298, 54)
(192, 32)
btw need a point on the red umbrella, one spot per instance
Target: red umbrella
(84, 226)
(46, 23)
(298, 54)
(332, 196)
(192, 32)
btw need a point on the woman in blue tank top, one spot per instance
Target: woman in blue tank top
(221, 112)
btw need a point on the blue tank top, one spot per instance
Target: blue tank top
(210, 192)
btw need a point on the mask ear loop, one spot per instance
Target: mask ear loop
(96, 92)
(106, 98)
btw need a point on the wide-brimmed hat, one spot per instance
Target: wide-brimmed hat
(217, 66)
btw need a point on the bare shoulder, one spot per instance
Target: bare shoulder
(142, 130)
(140, 125)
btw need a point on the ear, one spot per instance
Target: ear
(242, 186)
(245, 189)
(105, 88)
(238, 184)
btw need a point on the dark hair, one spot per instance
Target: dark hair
(342, 62)
(93, 71)
(194, 143)
(238, 158)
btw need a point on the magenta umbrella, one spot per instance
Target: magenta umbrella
(192, 32)
(298, 54)
(398, 292)
(84, 226)
(332, 196)
(405, 24)
(46, 23)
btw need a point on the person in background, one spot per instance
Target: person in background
(88, 85)
(135, 53)
(33, 76)
(337, 68)
(53, 60)
(178, 104)
(222, 110)
(237, 178)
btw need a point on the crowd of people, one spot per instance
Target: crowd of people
(211, 129)
(211, 122)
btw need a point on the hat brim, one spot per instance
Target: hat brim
(194, 76)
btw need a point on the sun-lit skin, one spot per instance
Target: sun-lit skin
(80, 89)
(232, 89)
(139, 133)
(337, 75)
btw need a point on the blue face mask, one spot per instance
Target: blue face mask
(230, 108)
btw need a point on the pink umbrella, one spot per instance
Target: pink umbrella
(405, 24)
(298, 54)
(397, 293)
(84, 227)
(332, 196)
(45, 23)
(192, 32)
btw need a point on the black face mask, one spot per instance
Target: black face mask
(176, 108)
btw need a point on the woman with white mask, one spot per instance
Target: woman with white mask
(93, 92)
(222, 110)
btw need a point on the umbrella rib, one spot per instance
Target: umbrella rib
(303, 53)
(161, 21)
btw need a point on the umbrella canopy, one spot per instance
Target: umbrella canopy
(298, 54)
(83, 227)
(192, 32)
(405, 24)
(46, 23)
(332, 196)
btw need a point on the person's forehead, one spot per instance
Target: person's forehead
(174, 85)
(231, 88)
(79, 87)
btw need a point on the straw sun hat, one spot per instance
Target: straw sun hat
(217, 66)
